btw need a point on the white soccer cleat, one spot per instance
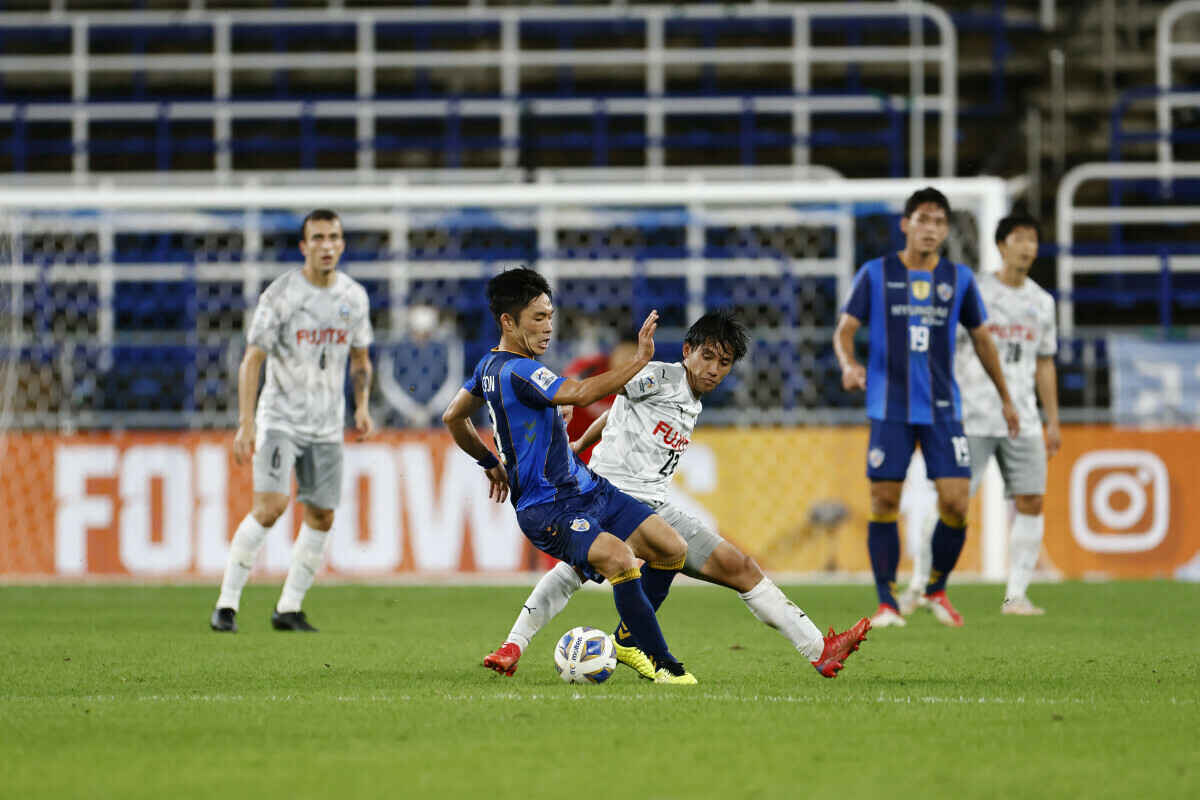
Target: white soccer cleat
(909, 599)
(1021, 606)
(887, 617)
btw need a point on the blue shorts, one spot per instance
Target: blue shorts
(944, 445)
(566, 529)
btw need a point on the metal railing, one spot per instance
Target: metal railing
(510, 58)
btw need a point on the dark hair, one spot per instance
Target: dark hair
(1014, 221)
(320, 214)
(512, 290)
(723, 328)
(923, 196)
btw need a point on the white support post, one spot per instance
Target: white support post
(365, 123)
(510, 89)
(222, 91)
(79, 96)
(802, 85)
(655, 88)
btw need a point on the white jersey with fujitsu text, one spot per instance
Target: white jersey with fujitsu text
(648, 429)
(1022, 324)
(307, 332)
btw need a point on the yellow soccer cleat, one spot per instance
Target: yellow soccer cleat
(676, 674)
(635, 659)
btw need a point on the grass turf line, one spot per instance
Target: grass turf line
(124, 692)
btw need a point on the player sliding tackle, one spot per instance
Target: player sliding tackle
(563, 508)
(644, 435)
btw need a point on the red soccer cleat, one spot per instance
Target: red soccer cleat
(940, 605)
(504, 660)
(839, 646)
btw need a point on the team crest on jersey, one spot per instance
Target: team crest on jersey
(1031, 312)
(580, 525)
(544, 377)
(920, 289)
(345, 313)
(875, 457)
(945, 291)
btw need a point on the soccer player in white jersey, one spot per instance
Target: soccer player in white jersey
(308, 324)
(1021, 320)
(644, 434)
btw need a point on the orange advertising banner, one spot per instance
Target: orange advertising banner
(165, 504)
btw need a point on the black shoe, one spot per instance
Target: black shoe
(224, 620)
(291, 621)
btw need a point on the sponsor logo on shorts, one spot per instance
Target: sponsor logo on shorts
(544, 377)
(875, 457)
(945, 291)
(580, 525)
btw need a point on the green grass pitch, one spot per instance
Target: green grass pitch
(124, 692)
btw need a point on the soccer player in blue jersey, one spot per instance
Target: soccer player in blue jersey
(912, 303)
(564, 508)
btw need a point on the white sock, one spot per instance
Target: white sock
(770, 606)
(307, 553)
(1023, 552)
(549, 597)
(243, 552)
(922, 552)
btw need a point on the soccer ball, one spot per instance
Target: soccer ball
(585, 655)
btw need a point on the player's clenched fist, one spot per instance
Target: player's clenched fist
(854, 378)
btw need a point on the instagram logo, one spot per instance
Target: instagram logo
(1120, 501)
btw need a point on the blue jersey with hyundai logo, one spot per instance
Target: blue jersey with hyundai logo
(529, 429)
(913, 316)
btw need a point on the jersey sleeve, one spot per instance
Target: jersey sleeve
(472, 384)
(1048, 342)
(650, 381)
(363, 334)
(973, 312)
(858, 305)
(534, 384)
(266, 322)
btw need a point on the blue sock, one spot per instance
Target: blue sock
(638, 615)
(883, 543)
(656, 580)
(947, 545)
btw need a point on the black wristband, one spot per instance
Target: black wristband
(489, 462)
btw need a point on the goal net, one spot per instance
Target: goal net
(124, 313)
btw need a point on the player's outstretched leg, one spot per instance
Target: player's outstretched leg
(549, 597)
(839, 646)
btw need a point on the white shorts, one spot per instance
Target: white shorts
(1022, 463)
(701, 540)
(318, 467)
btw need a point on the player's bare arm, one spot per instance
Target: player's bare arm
(591, 435)
(989, 357)
(360, 378)
(854, 374)
(462, 430)
(248, 374)
(589, 390)
(1046, 380)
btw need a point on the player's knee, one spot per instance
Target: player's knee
(953, 510)
(884, 505)
(320, 519)
(268, 510)
(1029, 504)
